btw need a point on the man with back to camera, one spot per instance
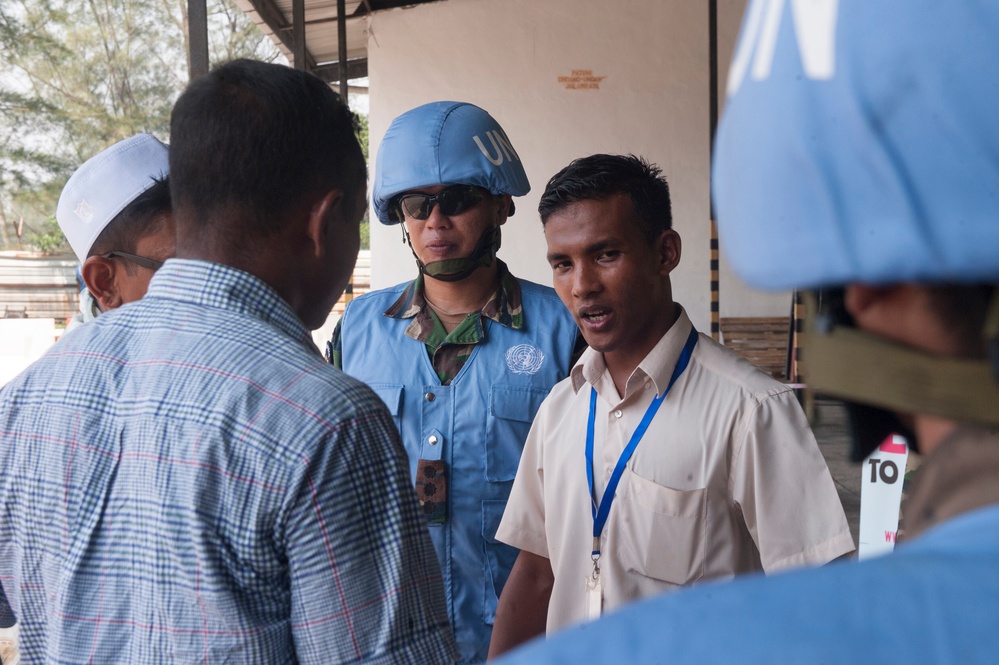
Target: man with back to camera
(698, 464)
(464, 354)
(188, 480)
(871, 158)
(115, 213)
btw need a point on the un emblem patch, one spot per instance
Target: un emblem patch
(524, 359)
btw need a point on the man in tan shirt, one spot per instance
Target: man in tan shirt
(726, 479)
(866, 177)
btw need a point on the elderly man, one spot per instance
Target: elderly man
(185, 478)
(115, 212)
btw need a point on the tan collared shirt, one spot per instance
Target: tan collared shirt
(958, 477)
(728, 479)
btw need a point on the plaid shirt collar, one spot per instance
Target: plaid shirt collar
(504, 307)
(218, 286)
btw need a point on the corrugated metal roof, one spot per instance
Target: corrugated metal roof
(274, 18)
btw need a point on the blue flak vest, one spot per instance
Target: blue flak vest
(477, 425)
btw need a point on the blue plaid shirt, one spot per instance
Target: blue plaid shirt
(185, 480)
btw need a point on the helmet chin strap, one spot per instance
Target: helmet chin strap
(878, 378)
(453, 270)
(992, 333)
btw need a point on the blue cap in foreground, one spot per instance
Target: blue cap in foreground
(860, 144)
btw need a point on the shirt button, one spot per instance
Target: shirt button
(648, 385)
(430, 397)
(638, 489)
(618, 414)
(432, 440)
(610, 469)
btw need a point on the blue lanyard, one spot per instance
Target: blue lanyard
(600, 512)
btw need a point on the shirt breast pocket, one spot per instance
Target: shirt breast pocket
(661, 531)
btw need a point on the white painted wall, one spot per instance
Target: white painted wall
(511, 56)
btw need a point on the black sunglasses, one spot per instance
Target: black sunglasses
(152, 264)
(452, 200)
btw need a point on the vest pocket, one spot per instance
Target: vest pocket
(511, 412)
(499, 557)
(660, 531)
(391, 395)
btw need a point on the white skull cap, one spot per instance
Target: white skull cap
(105, 184)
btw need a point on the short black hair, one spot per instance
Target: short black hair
(250, 139)
(601, 176)
(142, 217)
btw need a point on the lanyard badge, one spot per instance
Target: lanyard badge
(594, 586)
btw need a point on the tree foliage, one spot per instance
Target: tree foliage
(79, 75)
(362, 136)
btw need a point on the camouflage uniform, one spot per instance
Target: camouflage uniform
(448, 352)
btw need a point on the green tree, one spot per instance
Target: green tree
(79, 75)
(362, 136)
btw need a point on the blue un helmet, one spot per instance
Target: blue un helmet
(860, 144)
(447, 143)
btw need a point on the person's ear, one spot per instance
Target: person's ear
(505, 201)
(321, 216)
(668, 249)
(903, 313)
(862, 299)
(99, 276)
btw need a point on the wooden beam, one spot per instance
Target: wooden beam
(197, 40)
(715, 282)
(323, 21)
(375, 5)
(330, 72)
(341, 42)
(298, 34)
(275, 19)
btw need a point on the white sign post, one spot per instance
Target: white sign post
(880, 496)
